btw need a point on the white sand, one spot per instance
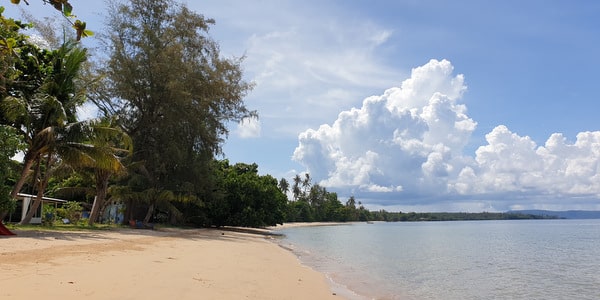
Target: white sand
(144, 264)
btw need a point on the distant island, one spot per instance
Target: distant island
(454, 216)
(464, 216)
(569, 214)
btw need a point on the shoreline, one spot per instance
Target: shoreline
(168, 263)
(341, 288)
(307, 224)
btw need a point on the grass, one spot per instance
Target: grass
(81, 226)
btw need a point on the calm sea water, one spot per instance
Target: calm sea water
(527, 259)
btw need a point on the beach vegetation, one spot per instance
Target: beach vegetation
(174, 95)
(245, 197)
(314, 203)
(72, 211)
(41, 91)
(40, 102)
(9, 145)
(165, 94)
(48, 215)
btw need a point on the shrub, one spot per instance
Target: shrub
(70, 210)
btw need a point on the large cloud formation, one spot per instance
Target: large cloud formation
(408, 143)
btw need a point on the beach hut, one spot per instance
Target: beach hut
(24, 203)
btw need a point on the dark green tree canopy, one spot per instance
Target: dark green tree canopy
(9, 145)
(248, 199)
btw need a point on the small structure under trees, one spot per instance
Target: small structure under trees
(24, 202)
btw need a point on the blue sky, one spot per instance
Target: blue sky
(417, 105)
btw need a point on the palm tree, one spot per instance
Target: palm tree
(306, 183)
(37, 117)
(296, 188)
(155, 199)
(109, 144)
(80, 145)
(284, 186)
(351, 203)
(44, 113)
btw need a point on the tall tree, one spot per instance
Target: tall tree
(20, 74)
(40, 103)
(284, 185)
(111, 145)
(351, 203)
(306, 183)
(37, 108)
(296, 187)
(170, 88)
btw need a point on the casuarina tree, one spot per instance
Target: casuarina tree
(171, 91)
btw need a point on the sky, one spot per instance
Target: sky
(411, 105)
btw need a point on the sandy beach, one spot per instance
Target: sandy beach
(145, 264)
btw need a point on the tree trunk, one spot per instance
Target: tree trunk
(34, 207)
(27, 163)
(40, 192)
(103, 208)
(149, 214)
(101, 188)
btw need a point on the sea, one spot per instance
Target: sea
(508, 259)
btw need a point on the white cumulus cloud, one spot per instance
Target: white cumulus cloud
(512, 163)
(407, 139)
(408, 143)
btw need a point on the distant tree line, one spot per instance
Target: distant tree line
(313, 203)
(383, 215)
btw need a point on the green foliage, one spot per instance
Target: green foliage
(71, 185)
(48, 215)
(247, 199)
(71, 210)
(41, 104)
(10, 143)
(41, 95)
(313, 203)
(66, 10)
(383, 215)
(319, 205)
(173, 93)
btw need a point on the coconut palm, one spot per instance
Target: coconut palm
(110, 145)
(296, 187)
(284, 185)
(38, 117)
(87, 144)
(306, 183)
(44, 113)
(154, 198)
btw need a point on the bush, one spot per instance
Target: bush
(70, 210)
(48, 215)
(7, 205)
